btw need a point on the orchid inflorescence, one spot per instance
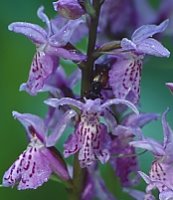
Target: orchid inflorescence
(104, 115)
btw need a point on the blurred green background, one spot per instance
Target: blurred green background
(16, 53)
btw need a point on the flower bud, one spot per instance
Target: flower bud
(69, 9)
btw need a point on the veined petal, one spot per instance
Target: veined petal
(150, 145)
(152, 47)
(45, 19)
(62, 37)
(32, 123)
(125, 77)
(64, 101)
(145, 177)
(120, 101)
(41, 68)
(32, 31)
(101, 190)
(127, 44)
(146, 31)
(59, 129)
(140, 120)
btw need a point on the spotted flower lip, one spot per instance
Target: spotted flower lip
(51, 44)
(88, 105)
(143, 43)
(36, 164)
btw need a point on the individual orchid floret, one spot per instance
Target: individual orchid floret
(36, 164)
(50, 44)
(70, 9)
(160, 175)
(127, 164)
(125, 74)
(143, 43)
(59, 84)
(90, 139)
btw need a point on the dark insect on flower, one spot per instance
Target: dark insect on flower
(99, 81)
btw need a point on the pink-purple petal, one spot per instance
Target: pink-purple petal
(125, 77)
(145, 177)
(66, 54)
(146, 31)
(54, 102)
(45, 19)
(71, 146)
(152, 47)
(32, 31)
(31, 169)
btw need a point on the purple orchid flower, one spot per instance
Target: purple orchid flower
(123, 134)
(90, 138)
(160, 175)
(51, 44)
(36, 164)
(70, 9)
(125, 75)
